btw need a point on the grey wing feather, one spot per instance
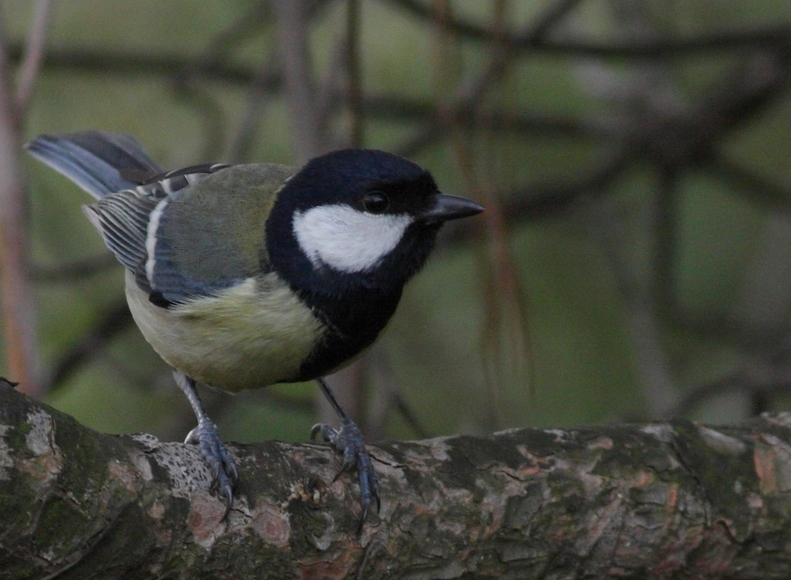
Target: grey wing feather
(122, 219)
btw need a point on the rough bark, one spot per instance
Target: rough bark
(662, 500)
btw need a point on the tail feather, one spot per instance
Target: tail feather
(98, 161)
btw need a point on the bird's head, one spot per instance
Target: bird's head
(358, 217)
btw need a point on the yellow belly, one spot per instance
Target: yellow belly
(252, 335)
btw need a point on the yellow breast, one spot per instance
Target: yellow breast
(251, 335)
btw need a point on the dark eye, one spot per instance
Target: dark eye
(376, 202)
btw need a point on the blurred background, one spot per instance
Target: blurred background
(634, 157)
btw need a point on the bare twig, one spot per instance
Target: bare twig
(110, 323)
(353, 73)
(755, 188)
(293, 35)
(545, 24)
(537, 39)
(34, 53)
(776, 383)
(191, 92)
(73, 271)
(251, 22)
(19, 318)
(504, 288)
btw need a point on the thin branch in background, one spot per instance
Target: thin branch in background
(761, 38)
(553, 17)
(510, 306)
(34, 53)
(754, 188)
(718, 328)
(331, 95)
(354, 98)
(113, 321)
(409, 415)
(400, 108)
(428, 135)
(293, 42)
(251, 22)
(190, 91)
(73, 271)
(504, 288)
(541, 200)
(266, 80)
(659, 388)
(125, 64)
(740, 382)
(388, 397)
(665, 228)
(544, 207)
(456, 26)
(688, 142)
(532, 202)
(538, 39)
(19, 312)
(472, 90)
(261, 86)
(187, 82)
(646, 97)
(243, 140)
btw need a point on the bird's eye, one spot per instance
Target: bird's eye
(376, 202)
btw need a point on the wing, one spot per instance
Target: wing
(123, 218)
(210, 235)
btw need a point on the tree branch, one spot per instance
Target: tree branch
(535, 39)
(632, 500)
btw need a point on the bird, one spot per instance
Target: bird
(241, 276)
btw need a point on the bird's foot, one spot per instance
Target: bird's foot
(222, 465)
(349, 442)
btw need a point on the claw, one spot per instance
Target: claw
(214, 452)
(349, 442)
(317, 428)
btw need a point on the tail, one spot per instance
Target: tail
(98, 161)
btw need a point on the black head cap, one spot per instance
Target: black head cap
(346, 176)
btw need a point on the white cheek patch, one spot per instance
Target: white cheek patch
(346, 239)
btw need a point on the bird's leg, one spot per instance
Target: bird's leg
(349, 441)
(207, 437)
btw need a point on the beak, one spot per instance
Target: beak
(451, 207)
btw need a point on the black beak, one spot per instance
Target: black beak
(450, 207)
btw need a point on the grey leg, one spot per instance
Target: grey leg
(349, 442)
(207, 437)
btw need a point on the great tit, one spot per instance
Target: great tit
(242, 276)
